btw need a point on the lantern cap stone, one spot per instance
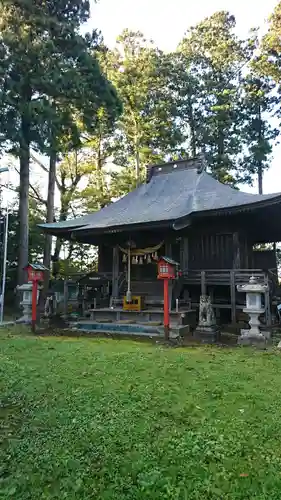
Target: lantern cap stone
(253, 280)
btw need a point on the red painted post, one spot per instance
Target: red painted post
(166, 309)
(34, 303)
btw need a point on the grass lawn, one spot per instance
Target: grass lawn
(105, 419)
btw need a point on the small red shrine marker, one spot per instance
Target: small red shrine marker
(167, 270)
(35, 273)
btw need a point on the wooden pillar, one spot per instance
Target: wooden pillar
(168, 249)
(115, 272)
(203, 283)
(236, 251)
(267, 304)
(236, 265)
(267, 309)
(65, 296)
(246, 250)
(233, 297)
(250, 256)
(184, 254)
(275, 254)
(100, 258)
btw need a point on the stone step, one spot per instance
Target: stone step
(145, 329)
(116, 327)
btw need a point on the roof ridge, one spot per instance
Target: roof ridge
(197, 163)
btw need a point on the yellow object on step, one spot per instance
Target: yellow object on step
(137, 303)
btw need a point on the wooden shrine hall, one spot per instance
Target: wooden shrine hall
(183, 213)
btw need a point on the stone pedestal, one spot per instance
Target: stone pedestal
(207, 330)
(247, 338)
(253, 336)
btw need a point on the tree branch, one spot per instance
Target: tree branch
(15, 190)
(59, 186)
(36, 160)
(73, 212)
(37, 195)
(40, 163)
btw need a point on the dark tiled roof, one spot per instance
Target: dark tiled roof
(174, 191)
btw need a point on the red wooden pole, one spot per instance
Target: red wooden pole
(34, 304)
(166, 309)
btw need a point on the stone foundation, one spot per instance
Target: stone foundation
(207, 331)
(247, 338)
(207, 334)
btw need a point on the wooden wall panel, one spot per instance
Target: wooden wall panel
(184, 253)
(105, 259)
(211, 251)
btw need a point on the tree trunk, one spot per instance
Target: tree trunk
(137, 153)
(49, 218)
(138, 167)
(24, 156)
(260, 169)
(192, 127)
(62, 217)
(221, 167)
(260, 178)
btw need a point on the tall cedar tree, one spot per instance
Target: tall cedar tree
(257, 102)
(186, 87)
(95, 157)
(44, 61)
(215, 58)
(268, 61)
(267, 67)
(36, 215)
(147, 129)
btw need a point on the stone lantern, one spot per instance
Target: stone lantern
(254, 291)
(26, 302)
